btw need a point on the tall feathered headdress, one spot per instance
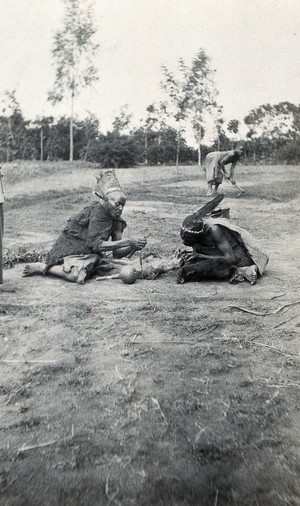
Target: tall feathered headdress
(193, 223)
(106, 182)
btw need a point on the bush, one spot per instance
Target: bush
(290, 153)
(114, 150)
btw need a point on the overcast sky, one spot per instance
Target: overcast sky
(254, 46)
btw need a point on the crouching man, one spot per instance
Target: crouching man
(83, 243)
(220, 249)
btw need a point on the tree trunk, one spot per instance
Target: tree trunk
(86, 151)
(10, 130)
(158, 148)
(72, 129)
(146, 148)
(42, 145)
(1, 227)
(7, 152)
(24, 151)
(199, 148)
(178, 148)
(1, 242)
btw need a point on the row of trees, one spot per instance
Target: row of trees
(272, 135)
(47, 138)
(189, 111)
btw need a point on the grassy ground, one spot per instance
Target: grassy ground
(156, 393)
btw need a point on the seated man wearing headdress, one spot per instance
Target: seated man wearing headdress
(215, 167)
(220, 249)
(83, 243)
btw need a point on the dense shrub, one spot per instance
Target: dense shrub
(114, 150)
(290, 153)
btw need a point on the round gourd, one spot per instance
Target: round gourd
(128, 275)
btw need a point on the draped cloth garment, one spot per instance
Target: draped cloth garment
(249, 244)
(246, 249)
(84, 233)
(212, 165)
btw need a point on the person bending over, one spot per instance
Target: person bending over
(220, 249)
(83, 243)
(215, 168)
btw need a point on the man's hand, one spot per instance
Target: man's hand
(138, 244)
(229, 178)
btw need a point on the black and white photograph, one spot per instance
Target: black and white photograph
(149, 250)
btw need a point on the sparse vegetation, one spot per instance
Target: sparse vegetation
(151, 394)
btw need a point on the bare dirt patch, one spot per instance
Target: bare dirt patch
(156, 393)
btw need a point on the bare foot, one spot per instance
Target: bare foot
(249, 273)
(180, 277)
(236, 278)
(33, 269)
(81, 277)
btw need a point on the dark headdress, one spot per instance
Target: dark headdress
(193, 224)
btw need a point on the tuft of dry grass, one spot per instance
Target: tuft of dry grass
(21, 254)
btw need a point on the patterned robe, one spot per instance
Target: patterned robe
(84, 233)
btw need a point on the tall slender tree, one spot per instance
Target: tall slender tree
(177, 89)
(202, 94)
(13, 137)
(73, 52)
(192, 94)
(149, 123)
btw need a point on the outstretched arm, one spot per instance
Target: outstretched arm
(229, 158)
(135, 245)
(100, 231)
(231, 172)
(121, 247)
(123, 251)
